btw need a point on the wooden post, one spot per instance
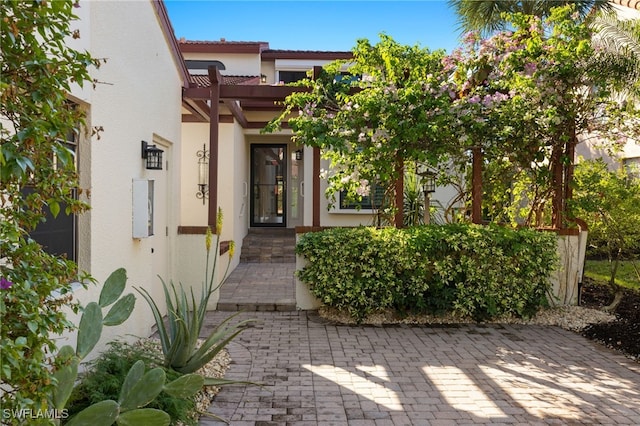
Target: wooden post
(399, 193)
(316, 172)
(215, 78)
(476, 185)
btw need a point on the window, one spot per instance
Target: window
(291, 76)
(58, 235)
(203, 65)
(366, 203)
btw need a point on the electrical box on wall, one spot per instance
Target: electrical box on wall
(142, 208)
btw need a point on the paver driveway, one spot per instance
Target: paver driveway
(321, 374)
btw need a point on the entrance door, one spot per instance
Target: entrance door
(268, 183)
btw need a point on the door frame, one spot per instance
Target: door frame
(252, 201)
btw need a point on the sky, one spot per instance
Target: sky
(316, 25)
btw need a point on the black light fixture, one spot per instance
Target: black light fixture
(428, 180)
(263, 78)
(298, 154)
(153, 156)
(203, 173)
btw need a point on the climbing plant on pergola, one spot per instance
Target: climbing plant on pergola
(515, 103)
(391, 108)
(525, 98)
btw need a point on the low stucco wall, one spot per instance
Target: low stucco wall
(566, 279)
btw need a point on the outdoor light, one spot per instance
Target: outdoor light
(428, 180)
(263, 78)
(203, 173)
(299, 155)
(152, 155)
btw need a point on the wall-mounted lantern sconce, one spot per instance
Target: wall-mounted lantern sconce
(152, 155)
(263, 78)
(203, 173)
(298, 154)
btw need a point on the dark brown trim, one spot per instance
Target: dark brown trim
(214, 96)
(225, 118)
(223, 47)
(236, 111)
(273, 54)
(239, 92)
(224, 247)
(193, 230)
(167, 29)
(190, 118)
(198, 108)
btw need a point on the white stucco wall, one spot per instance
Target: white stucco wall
(137, 98)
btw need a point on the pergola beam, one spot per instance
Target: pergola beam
(236, 111)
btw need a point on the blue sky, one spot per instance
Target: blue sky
(316, 25)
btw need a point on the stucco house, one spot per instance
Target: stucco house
(136, 101)
(203, 104)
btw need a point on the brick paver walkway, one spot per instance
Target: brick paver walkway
(322, 374)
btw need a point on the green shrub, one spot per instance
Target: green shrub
(481, 272)
(106, 374)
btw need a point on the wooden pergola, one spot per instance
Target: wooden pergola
(204, 105)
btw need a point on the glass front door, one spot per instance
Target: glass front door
(268, 185)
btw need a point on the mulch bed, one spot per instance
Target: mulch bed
(623, 334)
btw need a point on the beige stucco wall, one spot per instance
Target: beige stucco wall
(235, 63)
(137, 98)
(193, 212)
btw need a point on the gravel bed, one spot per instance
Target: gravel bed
(573, 318)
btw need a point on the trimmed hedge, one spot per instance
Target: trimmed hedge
(478, 271)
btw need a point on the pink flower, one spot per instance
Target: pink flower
(5, 283)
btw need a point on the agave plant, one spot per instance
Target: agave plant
(139, 388)
(185, 317)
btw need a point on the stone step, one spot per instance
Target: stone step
(269, 245)
(284, 306)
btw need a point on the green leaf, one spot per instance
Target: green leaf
(145, 390)
(89, 330)
(120, 311)
(66, 377)
(54, 207)
(103, 413)
(133, 377)
(113, 287)
(185, 386)
(144, 417)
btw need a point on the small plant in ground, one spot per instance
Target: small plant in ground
(107, 373)
(138, 389)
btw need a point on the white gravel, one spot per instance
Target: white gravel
(573, 318)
